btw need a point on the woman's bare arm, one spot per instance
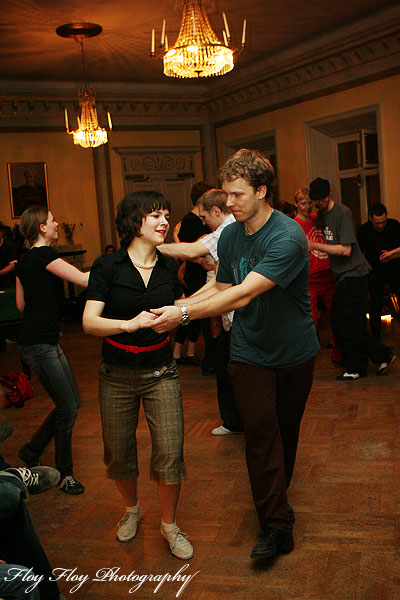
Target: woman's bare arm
(64, 270)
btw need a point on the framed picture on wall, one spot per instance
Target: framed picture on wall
(28, 186)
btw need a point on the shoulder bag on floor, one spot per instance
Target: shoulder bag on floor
(16, 387)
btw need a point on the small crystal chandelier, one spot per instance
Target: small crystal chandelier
(89, 134)
(197, 51)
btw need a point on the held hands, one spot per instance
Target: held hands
(385, 256)
(141, 321)
(206, 263)
(311, 245)
(168, 318)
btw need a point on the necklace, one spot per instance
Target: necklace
(140, 266)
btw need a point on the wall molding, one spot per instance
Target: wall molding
(155, 160)
(347, 57)
(315, 70)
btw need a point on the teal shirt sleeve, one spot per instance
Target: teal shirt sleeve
(283, 261)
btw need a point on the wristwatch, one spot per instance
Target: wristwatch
(185, 317)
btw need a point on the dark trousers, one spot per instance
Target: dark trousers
(210, 345)
(19, 542)
(271, 404)
(348, 321)
(52, 368)
(225, 394)
(191, 332)
(376, 283)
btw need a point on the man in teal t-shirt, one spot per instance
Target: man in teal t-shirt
(276, 328)
(263, 276)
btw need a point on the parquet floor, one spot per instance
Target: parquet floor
(345, 492)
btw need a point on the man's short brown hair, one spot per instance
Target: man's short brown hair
(251, 166)
(214, 197)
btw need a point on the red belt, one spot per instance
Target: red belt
(138, 349)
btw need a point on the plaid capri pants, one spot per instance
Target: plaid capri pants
(120, 391)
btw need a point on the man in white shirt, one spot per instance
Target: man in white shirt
(214, 213)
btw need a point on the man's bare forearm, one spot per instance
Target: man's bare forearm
(184, 250)
(335, 249)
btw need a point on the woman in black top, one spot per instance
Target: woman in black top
(138, 363)
(37, 286)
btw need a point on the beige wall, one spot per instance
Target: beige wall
(288, 124)
(71, 189)
(143, 139)
(71, 184)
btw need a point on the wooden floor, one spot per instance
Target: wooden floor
(345, 492)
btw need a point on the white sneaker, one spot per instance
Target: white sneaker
(178, 542)
(127, 526)
(384, 365)
(221, 430)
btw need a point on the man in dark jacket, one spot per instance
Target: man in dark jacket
(379, 240)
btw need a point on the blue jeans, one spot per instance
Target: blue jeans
(52, 368)
(20, 545)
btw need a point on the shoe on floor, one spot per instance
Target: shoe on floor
(272, 542)
(192, 360)
(180, 361)
(6, 430)
(72, 486)
(178, 542)
(37, 479)
(188, 360)
(351, 376)
(28, 458)
(208, 371)
(128, 525)
(382, 368)
(221, 430)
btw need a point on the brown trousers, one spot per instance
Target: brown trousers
(271, 404)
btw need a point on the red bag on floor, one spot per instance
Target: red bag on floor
(16, 387)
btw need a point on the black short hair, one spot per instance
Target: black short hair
(198, 190)
(319, 189)
(377, 210)
(133, 209)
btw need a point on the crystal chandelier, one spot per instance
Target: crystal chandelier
(197, 51)
(89, 134)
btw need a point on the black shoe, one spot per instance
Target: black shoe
(6, 430)
(208, 371)
(70, 485)
(180, 361)
(192, 360)
(37, 479)
(31, 460)
(382, 368)
(346, 376)
(272, 542)
(290, 515)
